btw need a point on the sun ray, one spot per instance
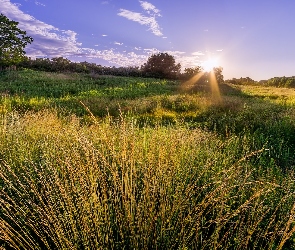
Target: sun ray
(211, 80)
(190, 84)
(214, 87)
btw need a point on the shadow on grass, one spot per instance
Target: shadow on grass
(269, 124)
(158, 101)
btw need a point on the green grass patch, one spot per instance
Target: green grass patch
(111, 163)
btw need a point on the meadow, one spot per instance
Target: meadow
(103, 162)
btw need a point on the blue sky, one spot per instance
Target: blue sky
(254, 38)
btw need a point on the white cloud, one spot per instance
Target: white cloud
(104, 35)
(143, 20)
(50, 41)
(148, 20)
(188, 61)
(149, 8)
(18, 4)
(121, 59)
(117, 43)
(38, 3)
(174, 53)
(152, 51)
(198, 53)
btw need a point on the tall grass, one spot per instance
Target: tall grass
(130, 163)
(115, 185)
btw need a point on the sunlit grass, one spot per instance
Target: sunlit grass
(273, 94)
(114, 185)
(114, 163)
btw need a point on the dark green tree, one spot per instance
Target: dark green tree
(161, 65)
(191, 72)
(218, 74)
(242, 81)
(12, 42)
(60, 64)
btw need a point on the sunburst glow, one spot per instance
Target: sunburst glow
(210, 64)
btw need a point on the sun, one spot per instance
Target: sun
(210, 64)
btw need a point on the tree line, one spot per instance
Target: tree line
(60, 64)
(279, 82)
(162, 65)
(12, 53)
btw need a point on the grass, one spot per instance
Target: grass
(38, 90)
(156, 169)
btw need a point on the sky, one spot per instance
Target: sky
(247, 38)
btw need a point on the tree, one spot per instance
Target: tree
(218, 74)
(161, 65)
(191, 72)
(242, 81)
(12, 42)
(60, 64)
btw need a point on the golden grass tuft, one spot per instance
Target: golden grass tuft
(113, 185)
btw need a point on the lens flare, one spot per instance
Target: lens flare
(189, 84)
(192, 83)
(210, 64)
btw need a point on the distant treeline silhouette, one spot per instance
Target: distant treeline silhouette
(280, 82)
(60, 64)
(161, 65)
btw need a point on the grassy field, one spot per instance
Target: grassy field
(101, 162)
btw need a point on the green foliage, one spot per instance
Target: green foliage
(22, 90)
(242, 81)
(12, 42)
(198, 76)
(64, 65)
(190, 72)
(90, 162)
(285, 82)
(161, 65)
(218, 74)
(281, 82)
